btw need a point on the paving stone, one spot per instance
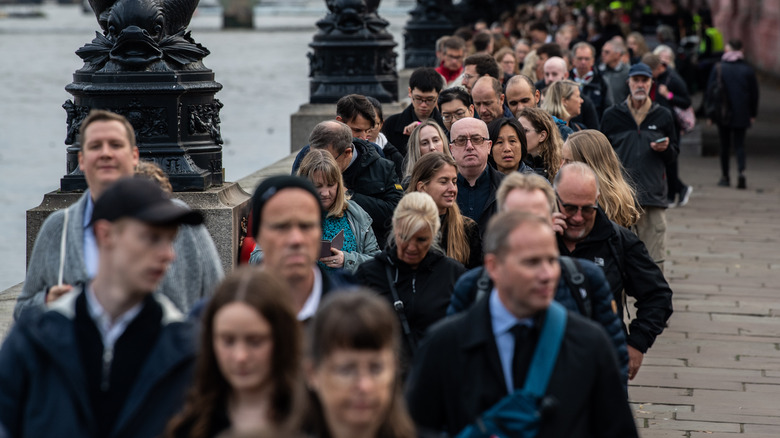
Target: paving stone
(695, 426)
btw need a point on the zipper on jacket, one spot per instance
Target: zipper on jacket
(108, 357)
(414, 283)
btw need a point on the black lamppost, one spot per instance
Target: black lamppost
(147, 67)
(352, 53)
(430, 21)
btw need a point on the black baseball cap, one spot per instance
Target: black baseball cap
(142, 199)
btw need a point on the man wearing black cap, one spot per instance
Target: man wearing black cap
(645, 139)
(108, 358)
(288, 229)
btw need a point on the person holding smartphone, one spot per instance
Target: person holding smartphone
(644, 137)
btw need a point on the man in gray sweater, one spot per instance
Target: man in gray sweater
(108, 153)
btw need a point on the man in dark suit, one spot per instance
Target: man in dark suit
(469, 362)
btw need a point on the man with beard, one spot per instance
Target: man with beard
(645, 139)
(590, 235)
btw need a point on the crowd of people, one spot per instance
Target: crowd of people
(419, 275)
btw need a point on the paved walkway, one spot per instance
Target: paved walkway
(715, 371)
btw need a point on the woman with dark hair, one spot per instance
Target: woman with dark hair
(544, 141)
(353, 372)
(412, 269)
(509, 146)
(437, 175)
(247, 377)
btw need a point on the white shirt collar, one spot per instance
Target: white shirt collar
(109, 332)
(313, 302)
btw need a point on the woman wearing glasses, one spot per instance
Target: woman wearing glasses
(618, 196)
(427, 137)
(353, 370)
(437, 175)
(544, 141)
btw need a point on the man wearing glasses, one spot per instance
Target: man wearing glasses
(455, 103)
(451, 65)
(477, 182)
(590, 235)
(425, 84)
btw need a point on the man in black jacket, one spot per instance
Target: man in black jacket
(741, 92)
(645, 139)
(670, 91)
(593, 85)
(477, 182)
(425, 84)
(469, 362)
(370, 180)
(590, 235)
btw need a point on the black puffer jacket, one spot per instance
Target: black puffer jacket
(373, 185)
(627, 264)
(425, 291)
(645, 167)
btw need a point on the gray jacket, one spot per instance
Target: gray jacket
(365, 240)
(191, 276)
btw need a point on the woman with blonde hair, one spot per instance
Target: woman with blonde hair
(247, 378)
(412, 273)
(618, 196)
(530, 65)
(437, 175)
(562, 100)
(427, 137)
(543, 140)
(637, 46)
(360, 244)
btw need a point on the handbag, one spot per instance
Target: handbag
(519, 414)
(686, 118)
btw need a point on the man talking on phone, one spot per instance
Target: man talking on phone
(645, 139)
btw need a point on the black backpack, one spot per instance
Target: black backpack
(716, 101)
(574, 278)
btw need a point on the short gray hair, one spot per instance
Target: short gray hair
(331, 133)
(502, 224)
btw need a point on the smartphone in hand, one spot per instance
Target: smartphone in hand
(661, 140)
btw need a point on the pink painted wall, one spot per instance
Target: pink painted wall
(757, 24)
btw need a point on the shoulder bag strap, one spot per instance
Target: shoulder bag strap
(546, 352)
(576, 282)
(398, 305)
(63, 239)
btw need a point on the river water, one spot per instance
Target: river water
(264, 73)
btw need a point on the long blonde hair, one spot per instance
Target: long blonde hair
(322, 162)
(457, 242)
(550, 148)
(553, 98)
(413, 146)
(618, 196)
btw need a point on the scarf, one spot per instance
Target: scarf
(733, 56)
(640, 113)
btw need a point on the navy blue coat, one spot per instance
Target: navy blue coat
(742, 88)
(600, 295)
(44, 391)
